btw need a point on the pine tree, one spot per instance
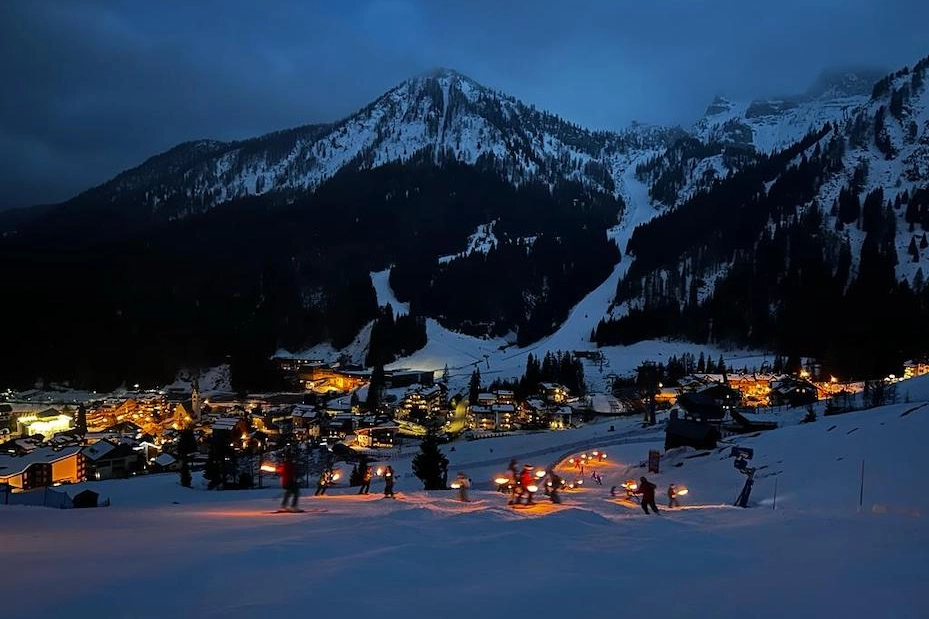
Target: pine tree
(375, 387)
(430, 465)
(474, 387)
(445, 374)
(186, 445)
(81, 425)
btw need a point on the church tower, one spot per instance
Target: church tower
(195, 401)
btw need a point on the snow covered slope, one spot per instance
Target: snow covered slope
(211, 554)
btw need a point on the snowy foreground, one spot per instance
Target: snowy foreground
(165, 551)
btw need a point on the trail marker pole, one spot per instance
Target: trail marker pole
(774, 506)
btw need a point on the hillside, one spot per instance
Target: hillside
(791, 248)
(495, 220)
(769, 560)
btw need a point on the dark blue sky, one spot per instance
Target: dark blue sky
(93, 87)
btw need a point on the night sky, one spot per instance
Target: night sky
(93, 87)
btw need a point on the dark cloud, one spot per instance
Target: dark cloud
(91, 88)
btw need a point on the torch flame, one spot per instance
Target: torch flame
(456, 485)
(501, 480)
(680, 491)
(532, 488)
(540, 474)
(379, 471)
(268, 468)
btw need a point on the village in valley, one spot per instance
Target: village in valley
(57, 437)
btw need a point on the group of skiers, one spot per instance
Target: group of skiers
(288, 474)
(523, 485)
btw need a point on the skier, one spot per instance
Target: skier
(389, 482)
(325, 478)
(289, 483)
(672, 497)
(463, 484)
(525, 480)
(366, 480)
(514, 484)
(647, 490)
(555, 480)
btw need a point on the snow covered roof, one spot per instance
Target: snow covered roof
(13, 465)
(98, 450)
(225, 423)
(165, 459)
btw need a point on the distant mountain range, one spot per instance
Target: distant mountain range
(216, 250)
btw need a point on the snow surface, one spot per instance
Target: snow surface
(385, 294)
(163, 550)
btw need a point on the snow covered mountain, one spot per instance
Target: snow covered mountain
(498, 219)
(438, 116)
(774, 123)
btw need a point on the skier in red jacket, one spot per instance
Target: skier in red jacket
(289, 483)
(647, 490)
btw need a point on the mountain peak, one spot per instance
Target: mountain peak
(845, 82)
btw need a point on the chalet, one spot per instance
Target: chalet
(165, 463)
(724, 396)
(485, 399)
(504, 416)
(323, 378)
(378, 436)
(230, 430)
(424, 404)
(42, 467)
(700, 406)
(106, 460)
(915, 368)
(554, 393)
(791, 391)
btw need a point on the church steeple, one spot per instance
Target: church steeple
(195, 402)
